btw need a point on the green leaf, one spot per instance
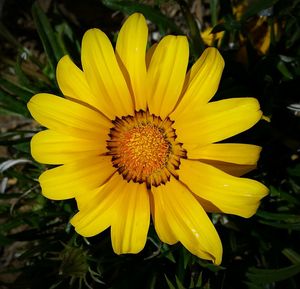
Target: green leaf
(295, 171)
(15, 137)
(274, 192)
(50, 43)
(4, 240)
(10, 103)
(263, 276)
(170, 285)
(179, 284)
(6, 35)
(154, 15)
(257, 6)
(218, 28)
(22, 78)
(254, 286)
(22, 92)
(67, 40)
(197, 44)
(210, 266)
(288, 226)
(184, 259)
(291, 255)
(196, 281)
(281, 66)
(279, 216)
(214, 11)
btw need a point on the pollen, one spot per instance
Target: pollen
(144, 148)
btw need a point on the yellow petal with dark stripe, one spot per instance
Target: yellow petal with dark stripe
(51, 147)
(68, 117)
(104, 75)
(188, 221)
(231, 168)
(73, 84)
(131, 51)
(243, 154)
(66, 181)
(201, 82)
(232, 195)
(216, 121)
(162, 227)
(98, 208)
(129, 230)
(166, 74)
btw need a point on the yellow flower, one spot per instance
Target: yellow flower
(260, 33)
(210, 38)
(135, 135)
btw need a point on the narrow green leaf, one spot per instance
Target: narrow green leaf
(22, 77)
(16, 89)
(6, 35)
(257, 6)
(278, 216)
(291, 255)
(154, 15)
(11, 224)
(281, 66)
(67, 40)
(170, 285)
(254, 286)
(287, 226)
(51, 46)
(15, 137)
(268, 276)
(210, 266)
(295, 171)
(179, 284)
(197, 44)
(4, 240)
(214, 11)
(9, 103)
(199, 280)
(218, 28)
(274, 192)
(167, 253)
(196, 280)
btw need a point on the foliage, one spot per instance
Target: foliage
(39, 247)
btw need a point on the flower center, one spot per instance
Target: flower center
(144, 148)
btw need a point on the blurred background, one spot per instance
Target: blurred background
(260, 42)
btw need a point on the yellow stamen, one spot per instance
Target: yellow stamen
(144, 148)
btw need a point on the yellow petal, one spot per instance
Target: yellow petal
(66, 181)
(51, 147)
(129, 230)
(161, 224)
(201, 82)
(149, 54)
(131, 51)
(73, 84)
(207, 205)
(216, 121)
(166, 74)
(98, 208)
(188, 221)
(243, 154)
(68, 117)
(230, 168)
(232, 195)
(104, 75)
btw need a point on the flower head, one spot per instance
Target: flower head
(210, 38)
(136, 136)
